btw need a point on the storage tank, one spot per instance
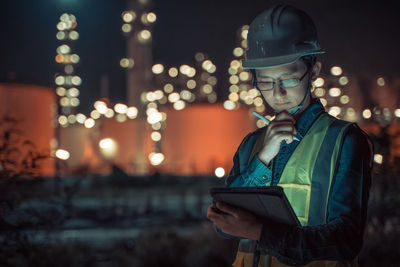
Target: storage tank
(202, 137)
(34, 108)
(109, 143)
(132, 139)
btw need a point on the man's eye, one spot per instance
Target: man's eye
(291, 81)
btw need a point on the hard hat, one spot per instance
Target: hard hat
(278, 36)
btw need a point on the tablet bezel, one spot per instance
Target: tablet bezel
(253, 194)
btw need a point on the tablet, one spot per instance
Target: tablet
(267, 202)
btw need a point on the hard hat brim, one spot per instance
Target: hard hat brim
(271, 62)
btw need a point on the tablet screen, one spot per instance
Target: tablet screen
(265, 202)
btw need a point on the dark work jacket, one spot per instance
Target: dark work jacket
(341, 238)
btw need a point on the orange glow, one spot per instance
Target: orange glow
(32, 105)
(133, 137)
(203, 137)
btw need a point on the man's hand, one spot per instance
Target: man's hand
(281, 128)
(235, 221)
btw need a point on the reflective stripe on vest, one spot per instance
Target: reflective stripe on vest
(307, 177)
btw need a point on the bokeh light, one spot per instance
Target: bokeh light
(367, 114)
(154, 117)
(89, 123)
(156, 158)
(144, 36)
(76, 80)
(100, 106)
(74, 101)
(80, 118)
(157, 68)
(128, 16)
(108, 147)
(319, 92)
(319, 82)
(62, 154)
(63, 120)
(127, 63)
(335, 92)
(61, 91)
(344, 99)
(343, 80)
(219, 172)
(207, 88)
(73, 92)
(74, 35)
(173, 97)
(191, 84)
(179, 105)
(380, 81)
(229, 105)
(132, 112)
(336, 71)
(126, 27)
(95, 114)
(238, 52)
(335, 111)
(121, 117)
(109, 113)
(120, 108)
(378, 158)
(173, 72)
(233, 97)
(155, 136)
(151, 17)
(397, 112)
(324, 102)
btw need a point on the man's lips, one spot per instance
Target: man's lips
(281, 104)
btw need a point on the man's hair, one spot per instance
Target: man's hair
(309, 60)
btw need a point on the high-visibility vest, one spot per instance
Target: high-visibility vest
(306, 181)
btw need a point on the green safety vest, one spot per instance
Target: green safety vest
(306, 180)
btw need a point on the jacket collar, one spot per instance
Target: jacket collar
(308, 116)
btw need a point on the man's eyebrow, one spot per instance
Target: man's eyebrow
(286, 73)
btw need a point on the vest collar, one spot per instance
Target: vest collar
(308, 116)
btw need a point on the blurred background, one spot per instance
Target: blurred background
(117, 117)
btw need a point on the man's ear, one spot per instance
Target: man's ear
(316, 70)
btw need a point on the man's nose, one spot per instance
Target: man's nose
(278, 91)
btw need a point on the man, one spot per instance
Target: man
(326, 175)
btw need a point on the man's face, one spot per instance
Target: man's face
(283, 99)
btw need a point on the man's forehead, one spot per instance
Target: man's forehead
(278, 71)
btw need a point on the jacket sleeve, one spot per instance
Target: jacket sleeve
(254, 174)
(250, 175)
(341, 237)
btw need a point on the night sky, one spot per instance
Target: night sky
(360, 36)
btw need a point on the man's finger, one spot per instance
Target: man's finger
(227, 208)
(212, 212)
(284, 116)
(217, 219)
